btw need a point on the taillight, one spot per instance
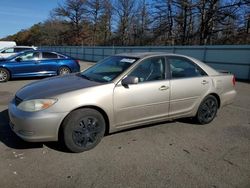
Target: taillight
(233, 80)
(77, 62)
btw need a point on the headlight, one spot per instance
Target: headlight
(36, 104)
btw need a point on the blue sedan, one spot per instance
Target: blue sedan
(36, 63)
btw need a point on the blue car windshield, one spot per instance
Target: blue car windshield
(108, 69)
(14, 56)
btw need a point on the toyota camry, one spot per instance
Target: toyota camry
(119, 92)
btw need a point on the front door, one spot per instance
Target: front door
(26, 65)
(146, 101)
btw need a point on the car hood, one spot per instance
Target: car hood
(51, 87)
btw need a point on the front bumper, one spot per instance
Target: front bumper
(35, 126)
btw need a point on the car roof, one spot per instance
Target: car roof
(24, 47)
(31, 50)
(31, 47)
(143, 54)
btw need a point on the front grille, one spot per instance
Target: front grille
(17, 100)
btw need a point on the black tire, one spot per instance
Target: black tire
(64, 70)
(207, 110)
(4, 75)
(83, 129)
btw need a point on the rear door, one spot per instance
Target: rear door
(189, 84)
(148, 100)
(49, 63)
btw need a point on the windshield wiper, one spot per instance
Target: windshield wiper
(83, 76)
(86, 77)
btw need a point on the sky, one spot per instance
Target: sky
(16, 15)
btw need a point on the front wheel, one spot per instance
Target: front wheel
(4, 75)
(207, 110)
(83, 129)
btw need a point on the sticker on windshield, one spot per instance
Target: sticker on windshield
(127, 60)
(107, 78)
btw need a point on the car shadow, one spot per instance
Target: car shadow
(9, 138)
(186, 121)
(58, 146)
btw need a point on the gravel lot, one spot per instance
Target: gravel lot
(170, 154)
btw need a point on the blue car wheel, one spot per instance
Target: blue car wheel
(4, 75)
(64, 70)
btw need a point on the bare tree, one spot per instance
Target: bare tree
(163, 21)
(139, 24)
(106, 22)
(125, 10)
(216, 16)
(144, 22)
(54, 32)
(184, 20)
(95, 10)
(73, 11)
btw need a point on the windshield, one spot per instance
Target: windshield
(14, 56)
(18, 54)
(108, 69)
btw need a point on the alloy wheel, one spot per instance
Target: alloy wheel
(64, 70)
(208, 110)
(86, 132)
(3, 75)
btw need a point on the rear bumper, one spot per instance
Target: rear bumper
(228, 98)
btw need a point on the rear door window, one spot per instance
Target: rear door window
(184, 68)
(61, 57)
(48, 55)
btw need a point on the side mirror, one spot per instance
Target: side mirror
(130, 80)
(18, 59)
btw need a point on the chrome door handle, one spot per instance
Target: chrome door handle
(204, 82)
(162, 88)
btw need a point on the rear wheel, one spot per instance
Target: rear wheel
(4, 75)
(83, 129)
(64, 70)
(207, 110)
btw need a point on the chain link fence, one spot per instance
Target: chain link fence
(233, 58)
